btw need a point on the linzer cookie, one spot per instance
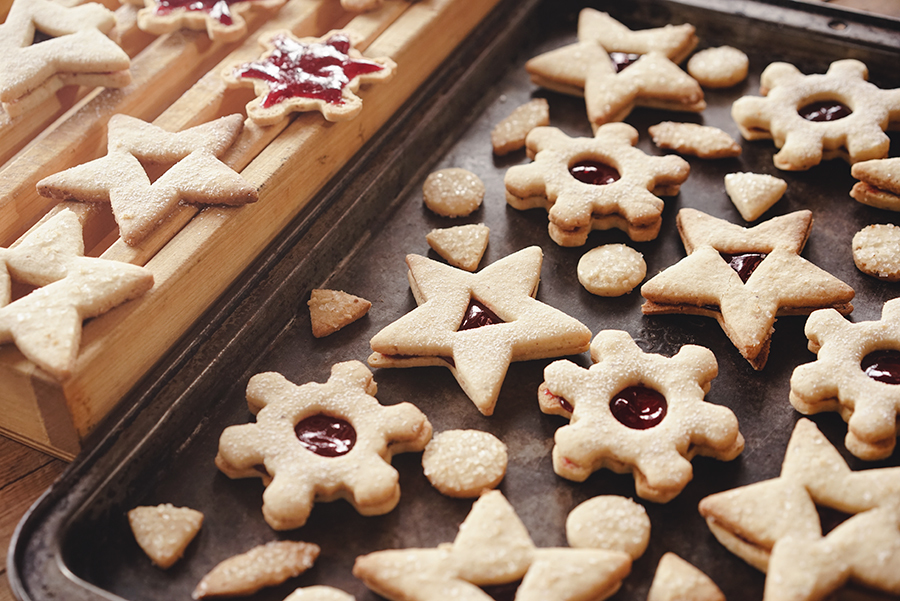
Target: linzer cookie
(637, 412)
(308, 74)
(320, 442)
(745, 278)
(594, 183)
(223, 20)
(266, 565)
(475, 325)
(879, 183)
(493, 549)
(701, 141)
(816, 117)
(195, 174)
(817, 526)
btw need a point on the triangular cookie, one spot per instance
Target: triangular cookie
(331, 310)
(754, 193)
(462, 246)
(164, 531)
(678, 580)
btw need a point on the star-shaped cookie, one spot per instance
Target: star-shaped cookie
(46, 324)
(493, 548)
(223, 20)
(476, 324)
(637, 412)
(139, 203)
(594, 183)
(745, 278)
(321, 442)
(856, 374)
(775, 526)
(78, 53)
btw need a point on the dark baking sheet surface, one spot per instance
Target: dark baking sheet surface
(76, 543)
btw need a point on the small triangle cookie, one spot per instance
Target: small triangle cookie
(462, 246)
(678, 580)
(164, 531)
(331, 310)
(754, 193)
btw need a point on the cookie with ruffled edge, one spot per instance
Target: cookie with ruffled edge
(78, 53)
(594, 183)
(493, 548)
(476, 324)
(462, 246)
(754, 193)
(509, 135)
(879, 183)
(331, 310)
(677, 580)
(223, 20)
(164, 531)
(720, 67)
(266, 565)
(702, 141)
(196, 175)
(283, 85)
(609, 522)
(855, 373)
(774, 525)
(851, 114)
(876, 251)
(745, 278)
(320, 442)
(319, 593)
(464, 463)
(637, 412)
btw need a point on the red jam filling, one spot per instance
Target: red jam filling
(217, 9)
(477, 315)
(317, 71)
(883, 366)
(639, 407)
(824, 110)
(621, 60)
(744, 264)
(594, 172)
(325, 435)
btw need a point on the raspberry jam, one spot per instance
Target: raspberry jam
(217, 9)
(744, 264)
(825, 110)
(594, 172)
(639, 407)
(325, 435)
(883, 366)
(317, 71)
(477, 315)
(621, 60)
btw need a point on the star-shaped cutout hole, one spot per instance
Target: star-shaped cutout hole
(493, 549)
(308, 74)
(223, 20)
(318, 442)
(46, 323)
(745, 278)
(594, 183)
(139, 204)
(638, 412)
(775, 525)
(476, 324)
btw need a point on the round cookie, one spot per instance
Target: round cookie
(611, 270)
(464, 463)
(720, 67)
(609, 522)
(453, 192)
(876, 251)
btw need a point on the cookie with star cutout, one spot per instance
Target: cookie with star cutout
(637, 412)
(745, 278)
(595, 183)
(320, 442)
(476, 324)
(493, 549)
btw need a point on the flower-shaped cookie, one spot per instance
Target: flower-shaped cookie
(816, 117)
(745, 278)
(476, 324)
(638, 412)
(776, 527)
(223, 20)
(307, 74)
(320, 442)
(594, 183)
(493, 548)
(857, 372)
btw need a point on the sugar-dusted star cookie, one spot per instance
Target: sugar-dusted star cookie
(164, 531)
(745, 278)
(879, 183)
(493, 548)
(477, 324)
(139, 204)
(77, 53)
(46, 324)
(223, 20)
(856, 372)
(265, 565)
(678, 580)
(594, 183)
(637, 412)
(754, 193)
(775, 525)
(321, 442)
(816, 117)
(307, 74)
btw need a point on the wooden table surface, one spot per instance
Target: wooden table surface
(26, 473)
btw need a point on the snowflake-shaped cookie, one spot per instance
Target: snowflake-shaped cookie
(321, 442)
(223, 20)
(594, 183)
(856, 373)
(638, 412)
(816, 117)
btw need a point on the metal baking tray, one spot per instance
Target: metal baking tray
(159, 445)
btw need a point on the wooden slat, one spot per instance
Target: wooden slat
(20, 494)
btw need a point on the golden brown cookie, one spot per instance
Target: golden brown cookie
(879, 183)
(701, 141)
(331, 310)
(164, 531)
(266, 565)
(509, 134)
(720, 67)
(754, 193)
(223, 20)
